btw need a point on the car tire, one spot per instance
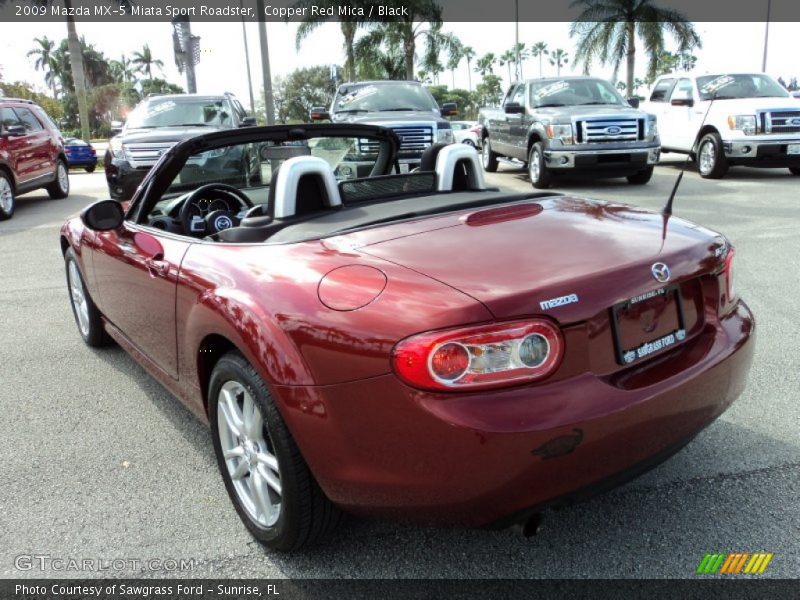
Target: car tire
(8, 200)
(642, 177)
(489, 157)
(711, 161)
(540, 176)
(87, 316)
(794, 170)
(60, 187)
(89, 169)
(303, 514)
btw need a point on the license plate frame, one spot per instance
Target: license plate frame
(793, 149)
(630, 356)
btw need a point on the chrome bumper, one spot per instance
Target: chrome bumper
(570, 159)
(749, 148)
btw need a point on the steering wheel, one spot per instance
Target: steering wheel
(216, 220)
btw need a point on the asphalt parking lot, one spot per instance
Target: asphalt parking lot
(99, 461)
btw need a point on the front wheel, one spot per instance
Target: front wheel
(89, 169)
(60, 187)
(87, 316)
(641, 177)
(794, 170)
(489, 157)
(8, 202)
(537, 171)
(266, 477)
(711, 161)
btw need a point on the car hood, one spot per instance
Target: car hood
(390, 119)
(163, 134)
(512, 258)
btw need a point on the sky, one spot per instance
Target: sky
(726, 46)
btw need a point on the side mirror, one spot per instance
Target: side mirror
(633, 102)
(514, 108)
(14, 131)
(248, 122)
(319, 113)
(682, 102)
(449, 109)
(116, 126)
(103, 216)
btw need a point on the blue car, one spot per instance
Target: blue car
(80, 154)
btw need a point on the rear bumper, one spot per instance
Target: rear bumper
(624, 160)
(762, 153)
(379, 447)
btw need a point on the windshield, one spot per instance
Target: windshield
(168, 112)
(384, 97)
(572, 92)
(727, 87)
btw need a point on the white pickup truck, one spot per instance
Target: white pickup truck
(753, 121)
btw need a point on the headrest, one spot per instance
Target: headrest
(301, 185)
(427, 161)
(458, 168)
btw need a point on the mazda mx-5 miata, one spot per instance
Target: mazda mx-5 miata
(416, 346)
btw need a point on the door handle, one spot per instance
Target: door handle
(157, 267)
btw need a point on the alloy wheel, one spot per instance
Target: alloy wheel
(6, 195)
(78, 298)
(249, 454)
(707, 157)
(63, 178)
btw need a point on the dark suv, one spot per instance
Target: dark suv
(158, 123)
(31, 154)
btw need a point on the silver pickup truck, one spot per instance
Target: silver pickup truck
(571, 125)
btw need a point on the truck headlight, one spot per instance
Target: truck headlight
(744, 123)
(650, 129)
(445, 136)
(561, 132)
(115, 148)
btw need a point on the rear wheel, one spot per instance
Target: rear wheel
(537, 171)
(641, 177)
(711, 161)
(794, 170)
(8, 202)
(266, 477)
(60, 187)
(89, 169)
(489, 156)
(87, 317)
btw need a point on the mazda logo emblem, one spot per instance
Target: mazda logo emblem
(613, 130)
(223, 223)
(661, 272)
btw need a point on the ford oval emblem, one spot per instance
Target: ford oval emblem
(614, 130)
(660, 272)
(795, 122)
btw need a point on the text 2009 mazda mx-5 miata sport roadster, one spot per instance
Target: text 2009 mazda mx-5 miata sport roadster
(407, 345)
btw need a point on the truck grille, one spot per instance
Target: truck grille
(783, 121)
(145, 154)
(609, 129)
(413, 141)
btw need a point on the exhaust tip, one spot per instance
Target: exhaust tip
(530, 526)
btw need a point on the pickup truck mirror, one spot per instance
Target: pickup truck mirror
(116, 127)
(319, 113)
(449, 109)
(14, 131)
(633, 102)
(103, 216)
(514, 108)
(248, 122)
(682, 102)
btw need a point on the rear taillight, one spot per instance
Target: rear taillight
(729, 273)
(480, 357)
(477, 130)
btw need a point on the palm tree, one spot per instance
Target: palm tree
(45, 60)
(435, 43)
(349, 29)
(408, 28)
(608, 31)
(523, 53)
(145, 62)
(485, 64)
(379, 56)
(558, 59)
(507, 58)
(121, 69)
(454, 58)
(468, 53)
(539, 50)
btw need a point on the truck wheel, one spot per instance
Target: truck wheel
(794, 170)
(641, 177)
(489, 157)
(711, 161)
(537, 170)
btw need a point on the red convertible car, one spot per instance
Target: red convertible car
(416, 345)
